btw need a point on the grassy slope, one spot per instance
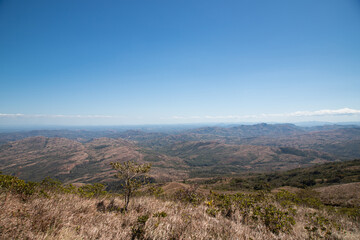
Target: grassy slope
(68, 216)
(49, 210)
(347, 194)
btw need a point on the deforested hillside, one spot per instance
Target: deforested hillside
(210, 158)
(177, 153)
(35, 157)
(71, 161)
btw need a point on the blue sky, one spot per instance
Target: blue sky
(86, 62)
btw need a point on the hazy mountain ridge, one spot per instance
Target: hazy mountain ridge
(142, 134)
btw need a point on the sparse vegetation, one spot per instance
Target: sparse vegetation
(131, 174)
(318, 202)
(316, 176)
(71, 214)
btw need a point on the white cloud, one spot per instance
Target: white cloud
(343, 111)
(337, 114)
(325, 112)
(20, 115)
(191, 117)
(11, 115)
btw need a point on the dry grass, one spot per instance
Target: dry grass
(343, 194)
(68, 216)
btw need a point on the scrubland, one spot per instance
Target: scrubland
(48, 210)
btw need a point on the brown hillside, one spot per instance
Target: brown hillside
(215, 156)
(343, 194)
(71, 161)
(30, 157)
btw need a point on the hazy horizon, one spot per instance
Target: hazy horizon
(160, 127)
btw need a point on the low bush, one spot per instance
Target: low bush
(138, 230)
(161, 214)
(92, 190)
(318, 226)
(15, 185)
(189, 195)
(276, 220)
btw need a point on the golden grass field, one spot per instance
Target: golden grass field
(69, 216)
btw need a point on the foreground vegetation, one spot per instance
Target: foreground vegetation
(50, 210)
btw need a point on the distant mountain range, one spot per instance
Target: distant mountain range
(84, 155)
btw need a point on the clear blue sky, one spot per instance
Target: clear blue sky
(178, 61)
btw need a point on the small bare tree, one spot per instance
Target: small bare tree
(131, 173)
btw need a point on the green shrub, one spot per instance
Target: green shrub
(18, 186)
(156, 191)
(309, 198)
(254, 208)
(50, 184)
(189, 195)
(317, 226)
(160, 214)
(275, 219)
(287, 199)
(69, 188)
(92, 190)
(352, 213)
(212, 211)
(138, 230)
(262, 186)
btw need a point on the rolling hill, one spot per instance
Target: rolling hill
(209, 158)
(71, 161)
(84, 155)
